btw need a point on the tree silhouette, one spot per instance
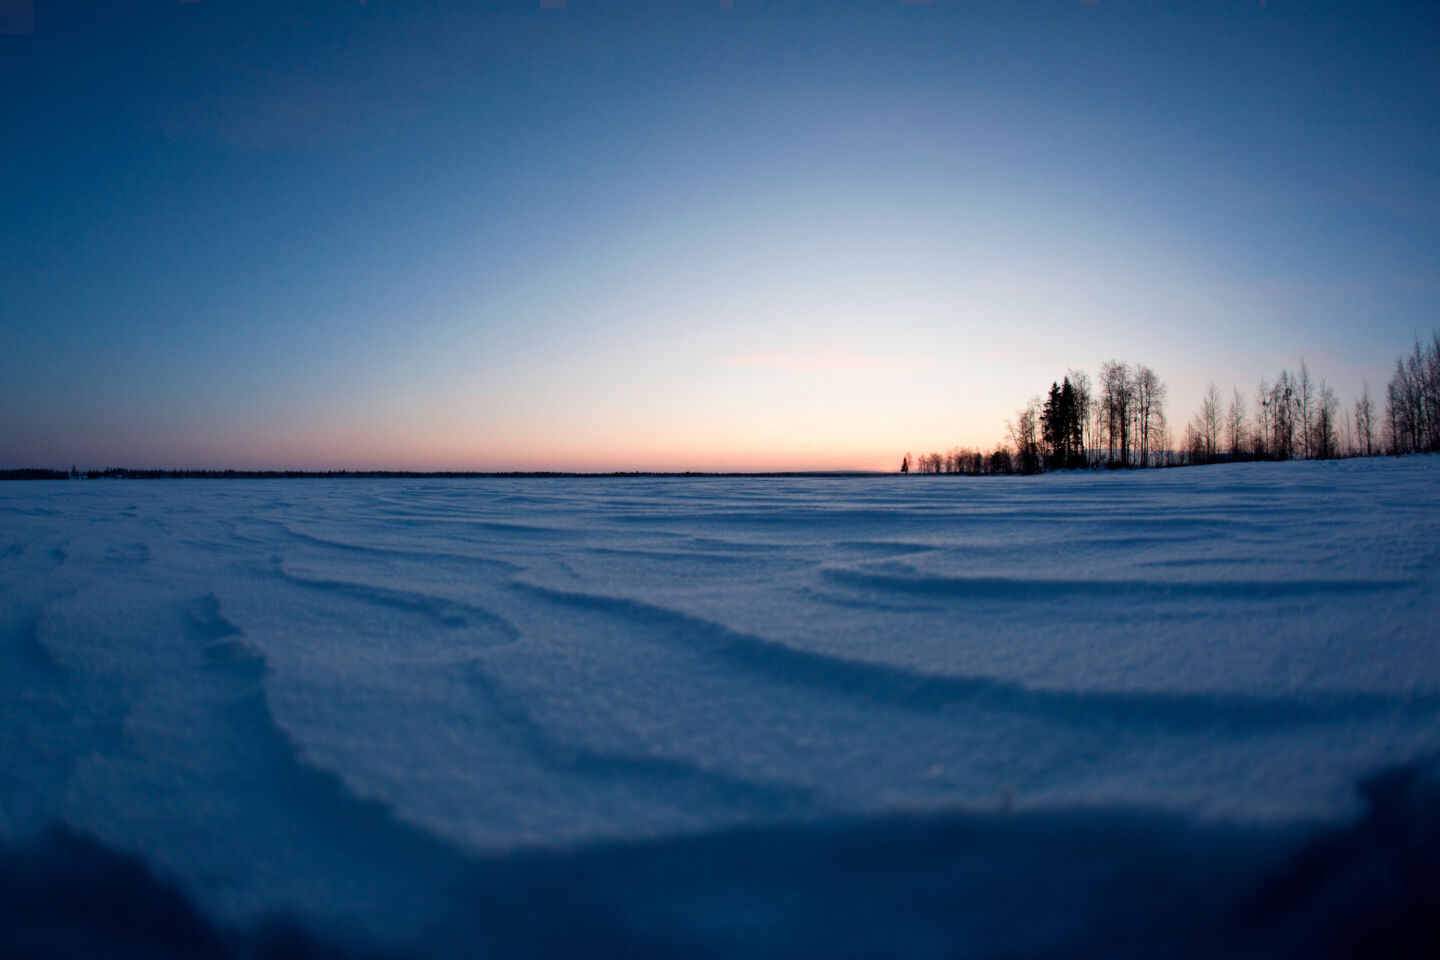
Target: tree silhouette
(1235, 423)
(1062, 426)
(1024, 435)
(1209, 423)
(1365, 420)
(1121, 422)
(1412, 408)
(1149, 412)
(1084, 404)
(1117, 391)
(1323, 434)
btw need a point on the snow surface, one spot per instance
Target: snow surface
(705, 714)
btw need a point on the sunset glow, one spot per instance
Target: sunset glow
(687, 237)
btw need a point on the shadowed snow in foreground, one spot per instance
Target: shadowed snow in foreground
(1078, 883)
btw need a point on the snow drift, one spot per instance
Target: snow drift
(1115, 715)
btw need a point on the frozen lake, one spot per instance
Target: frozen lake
(920, 716)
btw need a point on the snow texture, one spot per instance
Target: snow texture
(921, 717)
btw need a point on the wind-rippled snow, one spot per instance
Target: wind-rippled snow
(329, 699)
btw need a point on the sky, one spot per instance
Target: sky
(687, 235)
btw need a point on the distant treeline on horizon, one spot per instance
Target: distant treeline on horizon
(1119, 422)
(126, 473)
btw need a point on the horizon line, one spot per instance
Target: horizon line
(132, 473)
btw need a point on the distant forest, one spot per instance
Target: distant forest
(1119, 420)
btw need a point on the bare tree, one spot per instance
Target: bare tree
(1283, 411)
(1002, 460)
(1025, 436)
(1264, 422)
(1080, 383)
(1365, 421)
(1432, 393)
(1346, 446)
(1159, 442)
(1394, 398)
(1149, 394)
(1413, 400)
(1117, 395)
(1305, 410)
(1210, 419)
(1195, 441)
(1324, 431)
(1235, 423)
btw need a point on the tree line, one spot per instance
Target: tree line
(1119, 420)
(1412, 401)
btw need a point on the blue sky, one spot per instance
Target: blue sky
(678, 235)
